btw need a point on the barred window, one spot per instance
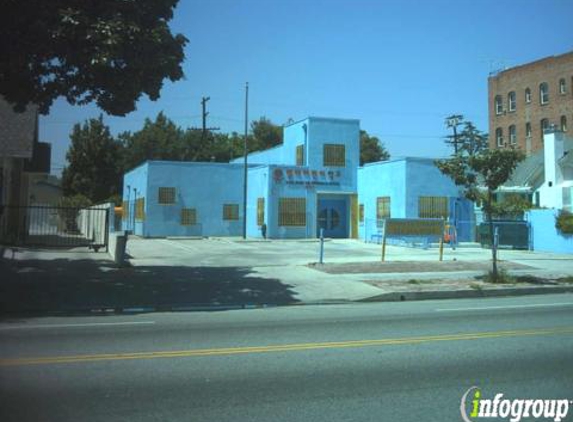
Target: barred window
(383, 208)
(300, 155)
(433, 207)
(334, 155)
(188, 216)
(292, 212)
(527, 95)
(361, 213)
(140, 209)
(260, 211)
(166, 196)
(230, 211)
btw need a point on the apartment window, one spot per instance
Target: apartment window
(544, 93)
(511, 101)
(499, 136)
(334, 155)
(528, 130)
(188, 216)
(140, 209)
(564, 123)
(166, 196)
(512, 135)
(230, 212)
(527, 95)
(433, 207)
(361, 213)
(383, 209)
(498, 104)
(544, 126)
(260, 211)
(562, 87)
(292, 212)
(300, 155)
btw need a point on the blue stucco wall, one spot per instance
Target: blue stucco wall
(203, 186)
(257, 188)
(135, 185)
(404, 180)
(269, 156)
(381, 179)
(546, 238)
(335, 131)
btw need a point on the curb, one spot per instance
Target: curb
(466, 293)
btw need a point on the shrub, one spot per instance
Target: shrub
(564, 223)
(502, 277)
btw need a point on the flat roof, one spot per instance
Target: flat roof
(330, 119)
(499, 73)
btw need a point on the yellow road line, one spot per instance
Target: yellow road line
(282, 348)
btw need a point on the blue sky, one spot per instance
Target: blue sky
(398, 66)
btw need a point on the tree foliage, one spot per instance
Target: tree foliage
(107, 51)
(479, 175)
(157, 140)
(265, 135)
(371, 149)
(94, 158)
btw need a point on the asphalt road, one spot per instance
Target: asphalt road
(409, 361)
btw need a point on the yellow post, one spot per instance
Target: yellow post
(354, 216)
(384, 246)
(441, 248)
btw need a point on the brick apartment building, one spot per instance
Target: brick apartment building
(526, 99)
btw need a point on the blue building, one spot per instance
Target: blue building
(311, 181)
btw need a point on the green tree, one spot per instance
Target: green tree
(265, 135)
(371, 149)
(480, 175)
(94, 158)
(107, 51)
(161, 139)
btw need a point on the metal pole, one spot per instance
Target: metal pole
(245, 162)
(321, 257)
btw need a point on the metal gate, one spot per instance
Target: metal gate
(53, 226)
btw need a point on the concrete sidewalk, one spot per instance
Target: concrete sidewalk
(222, 273)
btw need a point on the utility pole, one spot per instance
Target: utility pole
(453, 121)
(245, 162)
(204, 129)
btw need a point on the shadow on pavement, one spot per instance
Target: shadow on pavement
(81, 285)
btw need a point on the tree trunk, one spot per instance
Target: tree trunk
(491, 235)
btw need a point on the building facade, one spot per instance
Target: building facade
(310, 182)
(525, 100)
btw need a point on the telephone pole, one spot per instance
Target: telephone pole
(204, 129)
(453, 121)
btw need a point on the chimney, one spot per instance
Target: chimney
(553, 149)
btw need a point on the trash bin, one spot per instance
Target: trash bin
(120, 243)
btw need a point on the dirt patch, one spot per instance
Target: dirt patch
(412, 267)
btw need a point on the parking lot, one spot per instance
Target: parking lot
(234, 252)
